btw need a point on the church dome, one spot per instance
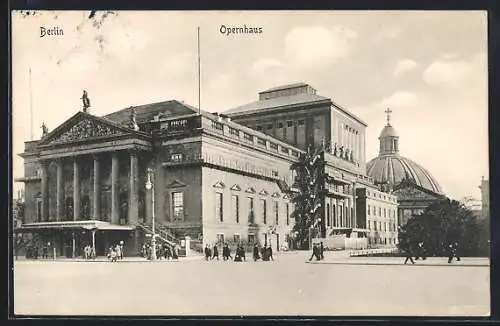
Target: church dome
(388, 131)
(392, 169)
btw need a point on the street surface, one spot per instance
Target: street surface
(337, 286)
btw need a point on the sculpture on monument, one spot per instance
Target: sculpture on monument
(133, 123)
(45, 130)
(85, 100)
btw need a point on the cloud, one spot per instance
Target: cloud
(318, 46)
(404, 66)
(265, 65)
(401, 99)
(447, 72)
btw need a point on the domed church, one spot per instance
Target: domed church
(414, 186)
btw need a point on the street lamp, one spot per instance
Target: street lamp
(149, 186)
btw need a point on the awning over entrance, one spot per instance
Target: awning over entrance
(88, 225)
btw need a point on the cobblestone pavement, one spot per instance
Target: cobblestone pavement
(337, 286)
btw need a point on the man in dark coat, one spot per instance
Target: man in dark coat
(408, 253)
(420, 251)
(215, 252)
(315, 252)
(321, 249)
(256, 255)
(269, 252)
(452, 252)
(208, 253)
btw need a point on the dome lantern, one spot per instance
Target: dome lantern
(389, 139)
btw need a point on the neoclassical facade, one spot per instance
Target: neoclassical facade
(216, 177)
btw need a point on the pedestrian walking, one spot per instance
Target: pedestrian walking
(453, 252)
(321, 250)
(420, 251)
(256, 255)
(270, 253)
(408, 253)
(315, 252)
(208, 252)
(215, 252)
(175, 252)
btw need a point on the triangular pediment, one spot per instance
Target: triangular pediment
(220, 185)
(176, 184)
(263, 193)
(235, 188)
(84, 127)
(250, 190)
(415, 192)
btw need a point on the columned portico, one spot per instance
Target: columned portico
(60, 191)
(97, 190)
(115, 189)
(45, 190)
(76, 190)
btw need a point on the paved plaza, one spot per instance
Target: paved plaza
(338, 286)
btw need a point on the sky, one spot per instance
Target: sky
(429, 68)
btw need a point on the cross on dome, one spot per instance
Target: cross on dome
(388, 111)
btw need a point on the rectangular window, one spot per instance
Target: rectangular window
(301, 122)
(248, 137)
(178, 206)
(287, 207)
(380, 226)
(374, 210)
(177, 157)
(235, 207)
(379, 211)
(237, 238)
(327, 214)
(289, 124)
(234, 131)
(251, 213)
(368, 209)
(375, 225)
(219, 211)
(251, 238)
(263, 207)
(220, 238)
(279, 125)
(276, 212)
(385, 215)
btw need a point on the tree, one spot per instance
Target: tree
(308, 193)
(442, 223)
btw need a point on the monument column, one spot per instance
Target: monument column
(133, 195)
(76, 190)
(115, 189)
(60, 191)
(45, 190)
(97, 190)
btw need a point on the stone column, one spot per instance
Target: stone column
(45, 190)
(149, 206)
(115, 189)
(133, 194)
(76, 191)
(97, 190)
(60, 191)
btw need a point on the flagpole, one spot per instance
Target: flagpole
(31, 107)
(199, 72)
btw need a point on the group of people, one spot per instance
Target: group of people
(162, 251)
(88, 252)
(266, 252)
(115, 252)
(240, 254)
(421, 252)
(318, 251)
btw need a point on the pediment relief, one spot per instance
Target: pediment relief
(412, 193)
(263, 193)
(176, 184)
(235, 188)
(84, 129)
(250, 190)
(220, 185)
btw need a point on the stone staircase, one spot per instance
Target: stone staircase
(164, 236)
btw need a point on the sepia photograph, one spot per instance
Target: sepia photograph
(250, 163)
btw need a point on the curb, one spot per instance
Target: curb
(393, 264)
